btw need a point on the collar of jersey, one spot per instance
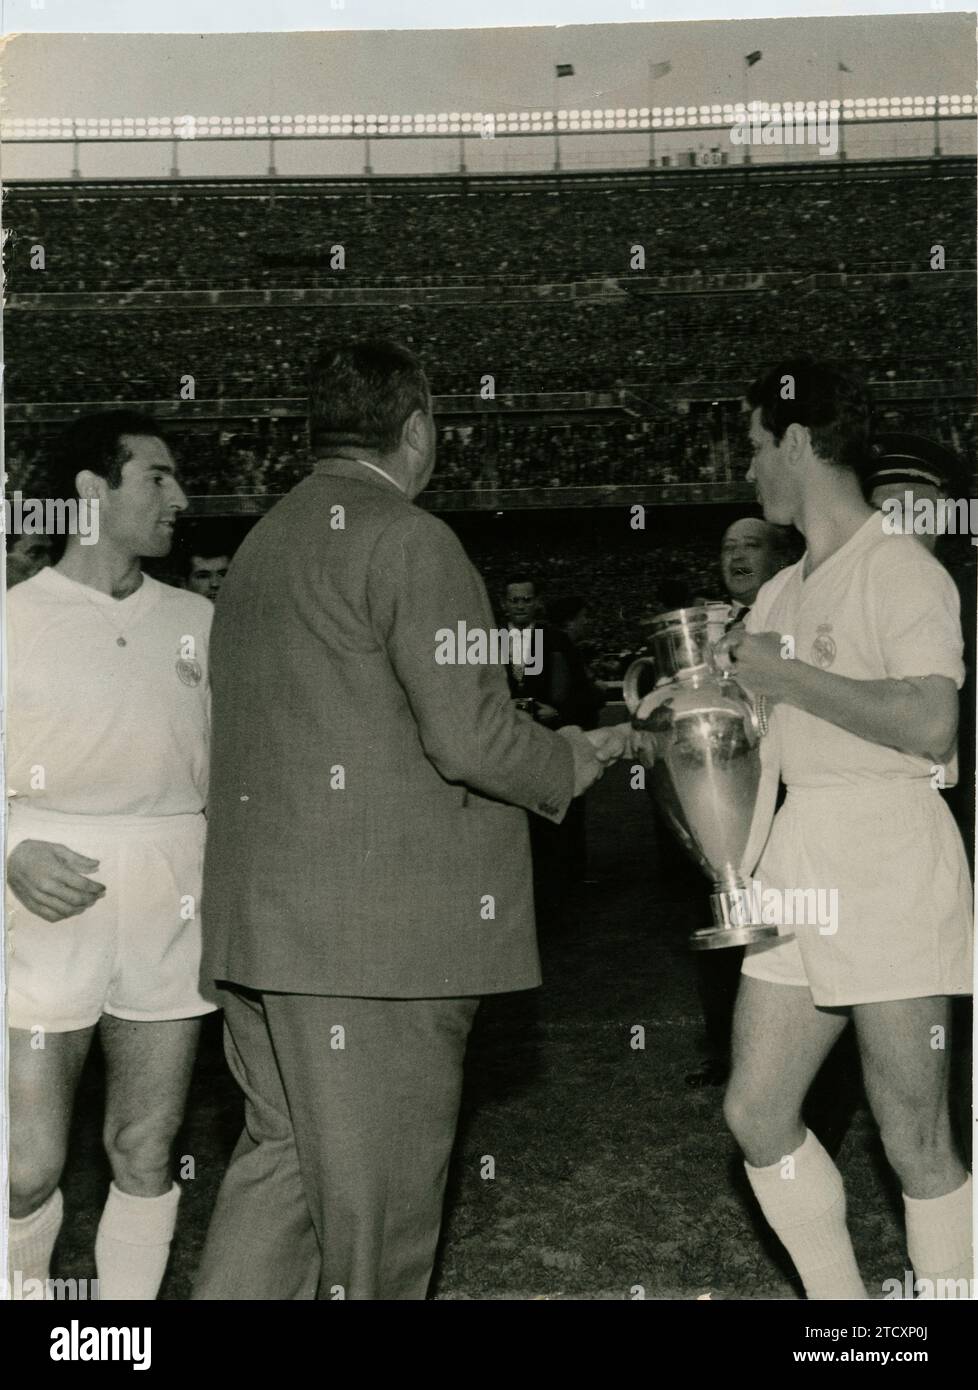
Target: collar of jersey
(63, 582)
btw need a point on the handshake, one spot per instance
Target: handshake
(594, 749)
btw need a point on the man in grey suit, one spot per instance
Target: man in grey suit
(367, 873)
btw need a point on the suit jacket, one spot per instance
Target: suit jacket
(563, 681)
(363, 831)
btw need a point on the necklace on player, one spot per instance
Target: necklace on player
(120, 640)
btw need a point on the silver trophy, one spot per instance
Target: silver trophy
(699, 735)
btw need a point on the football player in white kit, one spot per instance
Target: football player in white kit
(857, 649)
(108, 717)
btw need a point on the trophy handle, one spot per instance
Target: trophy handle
(762, 719)
(629, 686)
(759, 714)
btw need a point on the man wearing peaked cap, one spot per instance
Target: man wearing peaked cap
(909, 463)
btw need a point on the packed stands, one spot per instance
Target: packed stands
(582, 333)
(919, 328)
(431, 231)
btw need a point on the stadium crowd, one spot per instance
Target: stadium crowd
(443, 229)
(681, 441)
(912, 331)
(738, 256)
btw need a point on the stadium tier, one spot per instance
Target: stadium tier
(205, 302)
(431, 231)
(911, 327)
(679, 443)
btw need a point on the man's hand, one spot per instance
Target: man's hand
(49, 880)
(755, 659)
(612, 742)
(541, 713)
(588, 767)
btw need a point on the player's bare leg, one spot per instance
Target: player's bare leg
(905, 1049)
(44, 1072)
(148, 1069)
(780, 1040)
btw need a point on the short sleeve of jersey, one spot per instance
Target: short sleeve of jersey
(918, 613)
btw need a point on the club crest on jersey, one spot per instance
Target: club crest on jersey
(823, 648)
(189, 671)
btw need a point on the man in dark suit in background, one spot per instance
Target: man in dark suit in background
(367, 873)
(557, 691)
(569, 616)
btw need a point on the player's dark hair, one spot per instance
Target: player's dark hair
(832, 405)
(202, 542)
(361, 393)
(94, 442)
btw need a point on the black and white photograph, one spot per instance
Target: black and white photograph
(490, 526)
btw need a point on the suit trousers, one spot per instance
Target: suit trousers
(336, 1185)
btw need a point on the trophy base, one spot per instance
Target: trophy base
(715, 938)
(733, 918)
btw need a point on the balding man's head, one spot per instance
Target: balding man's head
(752, 550)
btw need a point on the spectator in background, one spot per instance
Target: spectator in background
(569, 617)
(535, 691)
(581, 705)
(560, 693)
(752, 550)
(207, 568)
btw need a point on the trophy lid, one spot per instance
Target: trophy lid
(681, 617)
(681, 639)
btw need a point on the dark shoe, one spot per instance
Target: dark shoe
(713, 1072)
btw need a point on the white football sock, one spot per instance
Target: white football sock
(939, 1241)
(133, 1243)
(31, 1241)
(807, 1212)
